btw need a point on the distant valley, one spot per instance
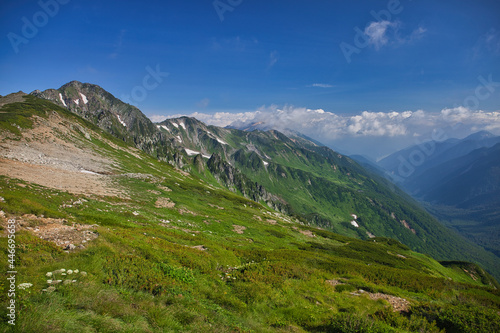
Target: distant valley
(458, 179)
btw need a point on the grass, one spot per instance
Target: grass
(146, 272)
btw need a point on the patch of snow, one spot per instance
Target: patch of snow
(206, 156)
(62, 100)
(354, 223)
(183, 126)
(354, 216)
(89, 172)
(84, 98)
(266, 163)
(220, 141)
(121, 121)
(191, 152)
(77, 101)
(176, 125)
(165, 128)
(179, 138)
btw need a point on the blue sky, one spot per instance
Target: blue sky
(411, 55)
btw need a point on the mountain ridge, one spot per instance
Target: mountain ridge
(291, 174)
(110, 238)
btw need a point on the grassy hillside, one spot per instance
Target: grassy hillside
(324, 188)
(159, 250)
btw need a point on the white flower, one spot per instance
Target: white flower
(70, 271)
(83, 273)
(76, 271)
(49, 281)
(63, 273)
(23, 286)
(49, 274)
(63, 270)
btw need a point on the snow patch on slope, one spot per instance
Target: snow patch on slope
(193, 153)
(62, 100)
(88, 172)
(220, 141)
(84, 98)
(183, 126)
(77, 101)
(176, 125)
(121, 121)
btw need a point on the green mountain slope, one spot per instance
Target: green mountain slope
(151, 248)
(290, 174)
(325, 188)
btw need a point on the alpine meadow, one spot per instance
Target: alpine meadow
(240, 166)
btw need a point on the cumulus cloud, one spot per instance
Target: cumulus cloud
(322, 124)
(370, 133)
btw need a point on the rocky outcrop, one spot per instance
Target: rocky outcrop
(232, 178)
(119, 119)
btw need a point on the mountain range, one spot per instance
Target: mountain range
(187, 227)
(459, 181)
(286, 172)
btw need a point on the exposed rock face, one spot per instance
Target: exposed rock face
(231, 177)
(119, 119)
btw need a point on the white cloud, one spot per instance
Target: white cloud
(328, 125)
(381, 33)
(371, 133)
(377, 32)
(321, 85)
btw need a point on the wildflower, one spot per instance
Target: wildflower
(63, 273)
(49, 274)
(50, 289)
(83, 273)
(49, 281)
(24, 286)
(67, 282)
(69, 271)
(62, 270)
(76, 271)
